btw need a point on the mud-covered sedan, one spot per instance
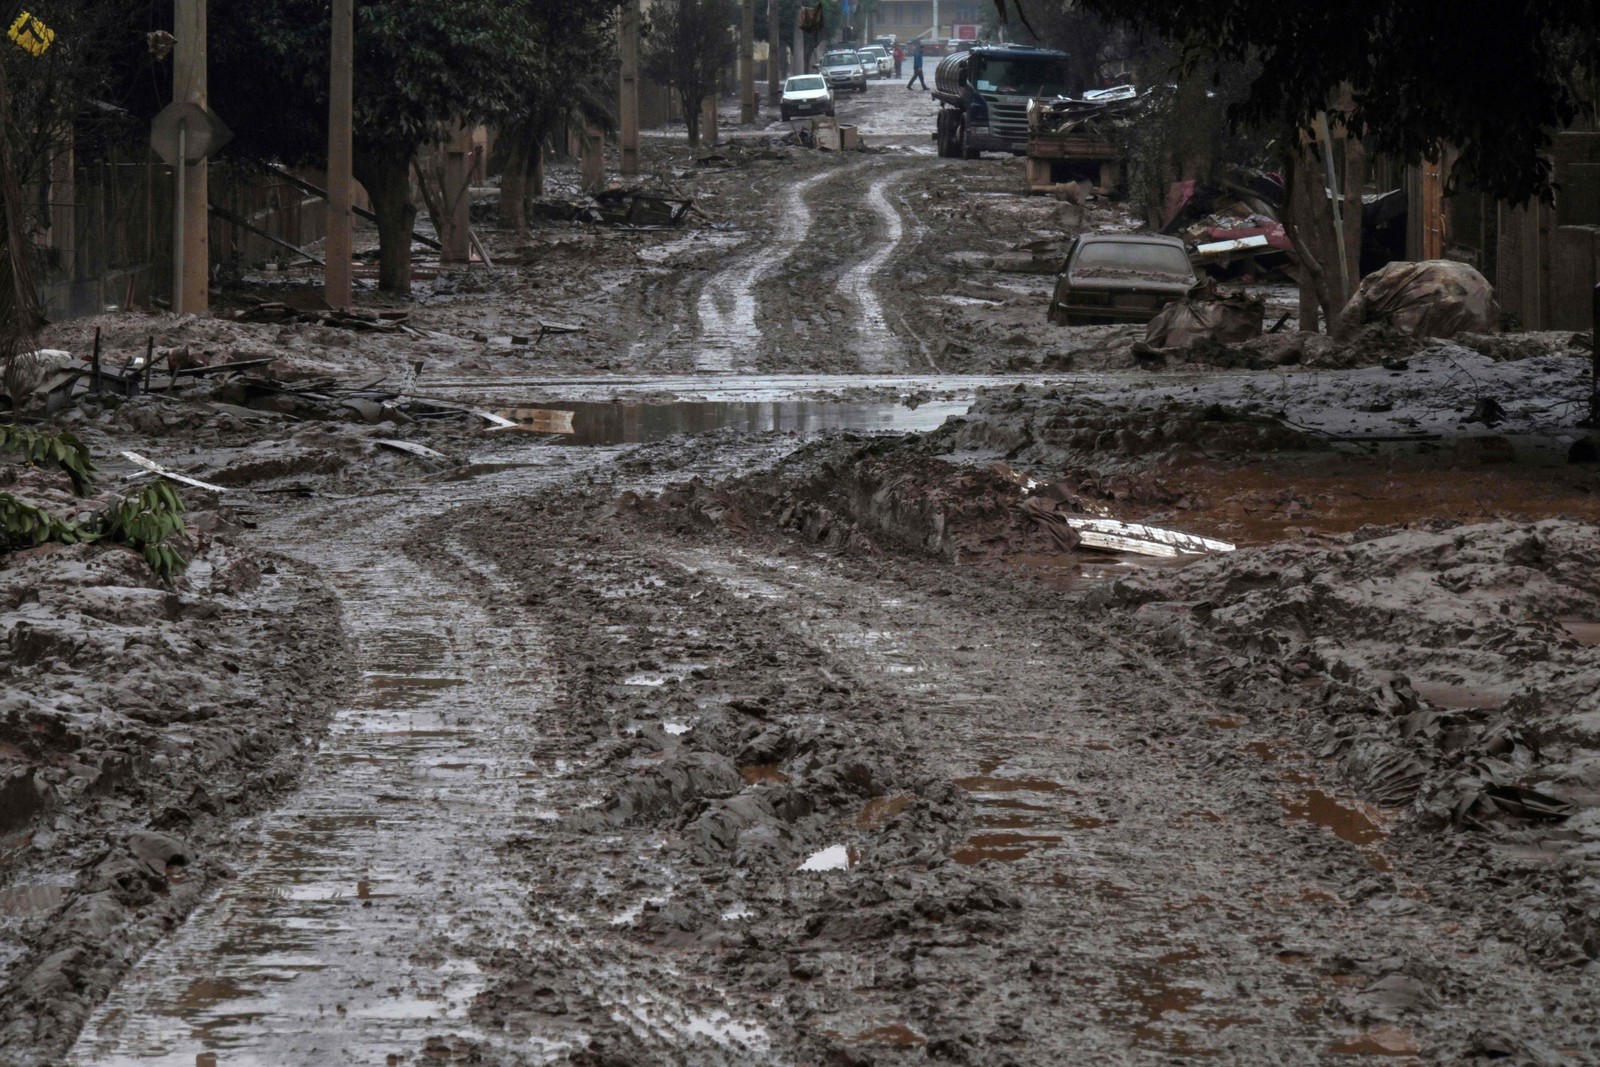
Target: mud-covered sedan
(1120, 277)
(805, 94)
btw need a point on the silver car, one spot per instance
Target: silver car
(843, 70)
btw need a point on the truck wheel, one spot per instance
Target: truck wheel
(966, 149)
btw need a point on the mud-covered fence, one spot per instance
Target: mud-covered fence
(107, 241)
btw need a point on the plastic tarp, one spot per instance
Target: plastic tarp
(1435, 298)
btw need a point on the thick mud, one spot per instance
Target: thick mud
(776, 714)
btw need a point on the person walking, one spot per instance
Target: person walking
(899, 60)
(916, 67)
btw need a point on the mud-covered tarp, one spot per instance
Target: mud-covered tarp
(1435, 298)
(1208, 313)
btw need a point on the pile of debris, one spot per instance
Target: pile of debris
(356, 319)
(1103, 115)
(617, 205)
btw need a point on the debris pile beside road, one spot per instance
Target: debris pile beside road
(633, 207)
(1448, 671)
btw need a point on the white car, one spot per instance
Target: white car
(806, 94)
(876, 53)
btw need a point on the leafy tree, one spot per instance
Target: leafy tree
(419, 64)
(688, 43)
(1493, 80)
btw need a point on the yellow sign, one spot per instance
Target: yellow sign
(31, 35)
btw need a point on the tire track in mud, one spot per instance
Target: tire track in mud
(877, 344)
(363, 906)
(729, 337)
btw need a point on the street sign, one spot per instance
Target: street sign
(31, 35)
(202, 133)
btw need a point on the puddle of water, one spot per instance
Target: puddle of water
(879, 810)
(23, 900)
(990, 783)
(1000, 847)
(897, 1034)
(676, 729)
(1378, 1041)
(615, 423)
(1449, 695)
(1347, 823)
(832, 858)
(762, 772)
(1583, 632)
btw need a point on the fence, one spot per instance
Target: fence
(108, 241)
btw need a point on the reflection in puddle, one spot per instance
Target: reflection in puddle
(989, 783)
(897, 1034)
(999, 847)
(762, 772)
(879, 810)
(618, 423)
(1582, 631)
(1449, 695)
(1378, 1041)
(832, 858)
(1347, 823)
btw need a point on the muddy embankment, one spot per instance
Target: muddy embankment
(137, 724)
(1414, 621)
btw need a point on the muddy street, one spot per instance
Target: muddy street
(730, 677)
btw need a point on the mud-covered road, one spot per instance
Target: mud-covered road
(727, 732)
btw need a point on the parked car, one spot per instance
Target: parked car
(883, 62)
(805, 94)
(843, 70)
(957, 44)
(1120, 277)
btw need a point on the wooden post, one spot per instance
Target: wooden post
(191, 289)
(747, 62)
(94, 364)
(339, 249)
(629, 46)
(457, 204)
(593, 163)
(1355, 181)
(774, 56)
(708, 122)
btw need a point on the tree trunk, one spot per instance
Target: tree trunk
(1311, 232)
(536, 166)
(386, 176)
(691, 118)
(1355, 182)
(514, 181)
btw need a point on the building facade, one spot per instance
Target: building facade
(929, 20)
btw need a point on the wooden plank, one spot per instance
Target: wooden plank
(539, 420)
(156, 468)
(406, 446)
(498, 422)
(1132, 537)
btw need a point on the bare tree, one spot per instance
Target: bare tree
(688, 44)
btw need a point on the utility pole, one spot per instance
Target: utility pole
(341, 100)
(629, 104)
(747, 62)
(774, 54)
(191, 242)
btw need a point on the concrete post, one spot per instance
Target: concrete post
(629, 46)
(191, 282)
(337, 273)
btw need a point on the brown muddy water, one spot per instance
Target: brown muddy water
(620, 423)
